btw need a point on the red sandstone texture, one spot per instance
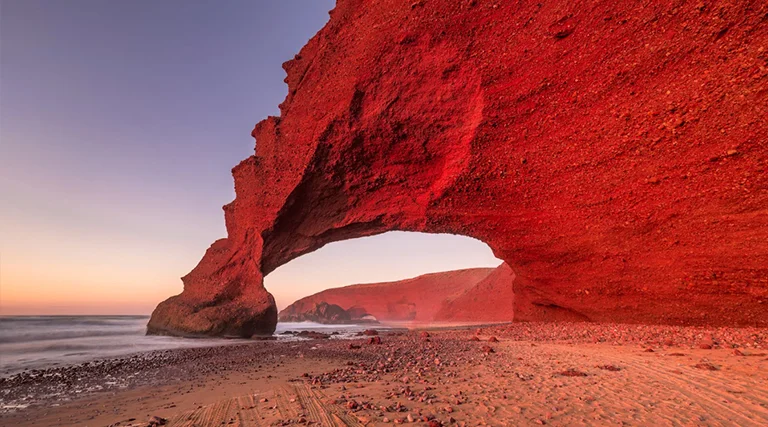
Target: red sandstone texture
(491, 299)
(612, 153)
(417, 299)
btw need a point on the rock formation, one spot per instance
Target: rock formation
(612, 153)
(491, 299)
(320, 312)
(419, 298)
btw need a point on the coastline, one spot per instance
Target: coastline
(530, 377)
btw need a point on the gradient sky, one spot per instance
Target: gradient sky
(119, 124)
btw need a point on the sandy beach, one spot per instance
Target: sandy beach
(468, 213)
(516, 374)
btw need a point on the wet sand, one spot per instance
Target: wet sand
(535, 374)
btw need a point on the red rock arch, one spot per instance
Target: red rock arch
(612, 153)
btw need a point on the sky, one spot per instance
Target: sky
(119, 124)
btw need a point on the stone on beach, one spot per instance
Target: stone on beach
(157, 421)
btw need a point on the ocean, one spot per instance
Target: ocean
(38, 342)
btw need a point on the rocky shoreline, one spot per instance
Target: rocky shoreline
(395, 369)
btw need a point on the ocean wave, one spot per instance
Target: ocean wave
(70, 320)
(34, 335)
(59, 347)
(33, 342)
(45, 328)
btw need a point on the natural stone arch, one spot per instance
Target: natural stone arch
(571, 138)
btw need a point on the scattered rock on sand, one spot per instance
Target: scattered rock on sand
(374, 340)
(409, 356)
(493, 339)
(487, 349)
(612, 368)
(706, 366)
(572, 373)
(157, 421)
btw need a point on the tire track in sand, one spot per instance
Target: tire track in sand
(237, 412)
(290, 402)
(705, 390)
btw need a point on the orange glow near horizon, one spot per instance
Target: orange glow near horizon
(93, 280)
(53, 268)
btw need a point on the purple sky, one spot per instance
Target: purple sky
(119, 124)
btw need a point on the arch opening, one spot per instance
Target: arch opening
(394, 277)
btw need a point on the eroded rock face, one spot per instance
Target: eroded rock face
(418, 299)
(612, 153)
(491, 299)
(218, 299)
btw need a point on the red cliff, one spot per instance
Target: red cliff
(491, 299)
(417, 299)
(612, 153)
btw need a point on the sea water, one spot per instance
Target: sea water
(38, 342)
